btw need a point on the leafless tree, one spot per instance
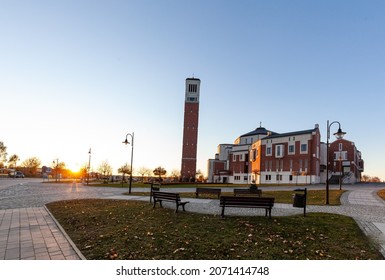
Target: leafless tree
(105, 168)
(13, 160)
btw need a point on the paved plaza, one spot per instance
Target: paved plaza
(28, 231)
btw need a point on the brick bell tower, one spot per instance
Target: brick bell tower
(190, 129)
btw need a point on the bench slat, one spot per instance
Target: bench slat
(167, 196)
(208, 191)
(249, 191)
(247, 202)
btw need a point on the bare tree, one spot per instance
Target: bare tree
(30, 165)
(175, 174)
(13, 160)
(3, 154)
(83, 172)
(58, 169)
(124, 169)
(143, 171)
(105, 169)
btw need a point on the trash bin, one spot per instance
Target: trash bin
(299, 199)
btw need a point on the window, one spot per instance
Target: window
(254, 154)
(268, 151)
(291, 149)
(279, 177)
(303, 148)
(341, 155)
(268, 177)
(279, 151)
(234, 158)
(192, 88)
(240, 157)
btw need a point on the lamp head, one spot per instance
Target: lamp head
(339, 134)
(126, 142)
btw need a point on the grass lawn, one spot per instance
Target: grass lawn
(116, 229)
(314, 197)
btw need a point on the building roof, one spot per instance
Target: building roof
(294, 133)
(193, 79)
(259, 131)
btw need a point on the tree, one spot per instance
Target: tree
(13, 161)
(199, 175)
(105, 169)
(367, 178)
(83, 172)
(30, 165)
(159, 171)
(58, 168)
(144, 171)
(175, 174)
(124, 169)
(3, 153)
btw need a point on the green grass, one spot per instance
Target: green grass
(116, 229)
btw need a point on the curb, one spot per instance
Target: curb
(81, 256)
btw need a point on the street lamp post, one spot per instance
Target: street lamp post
(57, 164)
(339, 134)
(89, 166)
(132, 156)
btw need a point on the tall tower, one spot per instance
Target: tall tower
(190, 129)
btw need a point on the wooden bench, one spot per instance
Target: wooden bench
(208, 191)
(167, 196)
(250, 191)
(247, 202)
(154, 188)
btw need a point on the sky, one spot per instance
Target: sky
(81, 74)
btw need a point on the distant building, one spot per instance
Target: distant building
(346, 161)
(299, 157)
(190, 129)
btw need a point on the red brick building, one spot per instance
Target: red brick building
(290, 158)
(190, 129)
(265, 157)
(345, 161)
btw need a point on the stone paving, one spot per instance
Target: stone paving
(31, 233)
(28, 231)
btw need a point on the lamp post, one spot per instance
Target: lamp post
(89, 166)
(339, 134)
(132, 156)
(57, 164)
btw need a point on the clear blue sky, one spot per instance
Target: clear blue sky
(76, 74)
